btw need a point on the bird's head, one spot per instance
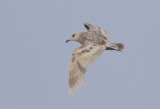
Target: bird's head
(74, 37)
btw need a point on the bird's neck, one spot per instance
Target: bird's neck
(81, 38)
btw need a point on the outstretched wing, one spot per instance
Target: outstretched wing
(96, 29)
(81, 59)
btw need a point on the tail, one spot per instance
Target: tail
(116, 46)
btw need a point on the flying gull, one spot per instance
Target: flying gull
(94, 42)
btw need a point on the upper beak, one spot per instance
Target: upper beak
(67, 41)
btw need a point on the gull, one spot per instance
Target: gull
(93, 43)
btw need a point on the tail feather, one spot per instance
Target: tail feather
(116, 46)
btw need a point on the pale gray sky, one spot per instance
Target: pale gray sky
(35, 60)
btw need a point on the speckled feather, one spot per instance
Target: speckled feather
(94, 42)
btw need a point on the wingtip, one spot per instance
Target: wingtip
(74, 89)
(85, 24)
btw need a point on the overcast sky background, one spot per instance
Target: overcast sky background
(35, 60)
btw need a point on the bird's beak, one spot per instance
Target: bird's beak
(67, 41)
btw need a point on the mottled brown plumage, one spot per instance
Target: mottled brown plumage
(94, 42)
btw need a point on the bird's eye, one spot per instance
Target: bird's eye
(73, 35)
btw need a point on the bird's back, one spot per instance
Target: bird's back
(95, 38)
